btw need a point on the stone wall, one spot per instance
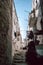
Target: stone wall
(5, 31)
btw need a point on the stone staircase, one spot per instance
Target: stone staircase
(19, 59)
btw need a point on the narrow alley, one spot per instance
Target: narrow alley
(21, 32)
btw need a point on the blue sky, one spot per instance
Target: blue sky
(23, 7)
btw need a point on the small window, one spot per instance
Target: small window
(42, 13)
(36, 1)
(15, 34)
(18, 39)
(14, 22)
(41, 23)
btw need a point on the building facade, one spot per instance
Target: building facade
(16, 36)
(5, 32)
(36, 18)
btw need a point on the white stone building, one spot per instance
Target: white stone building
(38, 13)
(36, 5)
(35, 18)
(16, 36)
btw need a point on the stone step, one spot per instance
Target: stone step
(19, 59)
(19, 64)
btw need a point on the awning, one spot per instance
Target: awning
(39, 32)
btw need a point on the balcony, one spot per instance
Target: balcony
(32, 19)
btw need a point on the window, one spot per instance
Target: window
(18, 38)
(41, 23)
(42, 13)
(14, 22)
(36, 1)
(15, 34)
